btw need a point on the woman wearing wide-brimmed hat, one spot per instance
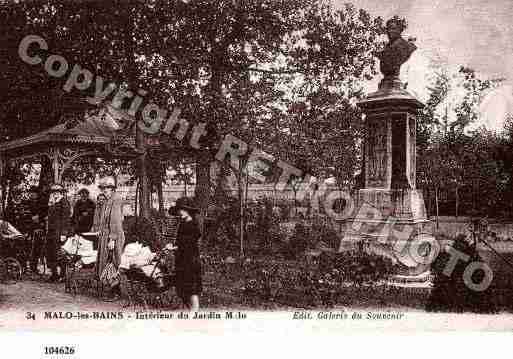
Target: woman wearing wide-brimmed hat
(111, 238)
(188, 263)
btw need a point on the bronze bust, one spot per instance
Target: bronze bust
(396, 52)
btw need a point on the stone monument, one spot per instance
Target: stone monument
(389, 210)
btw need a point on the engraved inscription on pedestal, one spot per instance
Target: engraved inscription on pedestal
(399, 149)
(376, 153)
(413, 154)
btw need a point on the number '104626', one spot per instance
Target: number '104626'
(59, 350)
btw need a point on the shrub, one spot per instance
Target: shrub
(297, 283)
(356, 267)
(285, 210)
(321, 232)
(297, 243)
(450, 293)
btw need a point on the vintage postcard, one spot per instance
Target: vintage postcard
(259, 166)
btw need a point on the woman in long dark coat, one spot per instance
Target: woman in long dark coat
(59, 227)
(188, 263)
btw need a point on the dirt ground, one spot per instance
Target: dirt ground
(31, 296)
(38, 297)
(41, 296)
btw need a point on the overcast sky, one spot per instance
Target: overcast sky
(475, 33)
(478, 33)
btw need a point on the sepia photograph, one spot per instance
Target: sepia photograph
(253, 165)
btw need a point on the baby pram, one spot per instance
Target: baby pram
(151, 283)
(13, 252)
(80, 257)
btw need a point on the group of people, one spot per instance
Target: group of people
(52, 217)
(47, 218)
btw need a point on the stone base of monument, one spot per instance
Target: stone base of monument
(421, 281)
(401, 205)
(413, 269)
(412, 257)
(393, 224)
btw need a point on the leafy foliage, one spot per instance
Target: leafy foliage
(450, 293)
(470, 165)
(309, 285)
(357, 267)
(241, 67)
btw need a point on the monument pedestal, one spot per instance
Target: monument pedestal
(390, 211)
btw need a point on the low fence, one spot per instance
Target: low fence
(454, 226)
(172, 193)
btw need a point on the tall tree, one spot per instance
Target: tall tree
(229, 64)
(463, 162)
(322, 128)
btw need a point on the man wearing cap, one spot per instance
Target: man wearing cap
(83, 212)
(59, 228)
(111, 239)
(37, 212)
